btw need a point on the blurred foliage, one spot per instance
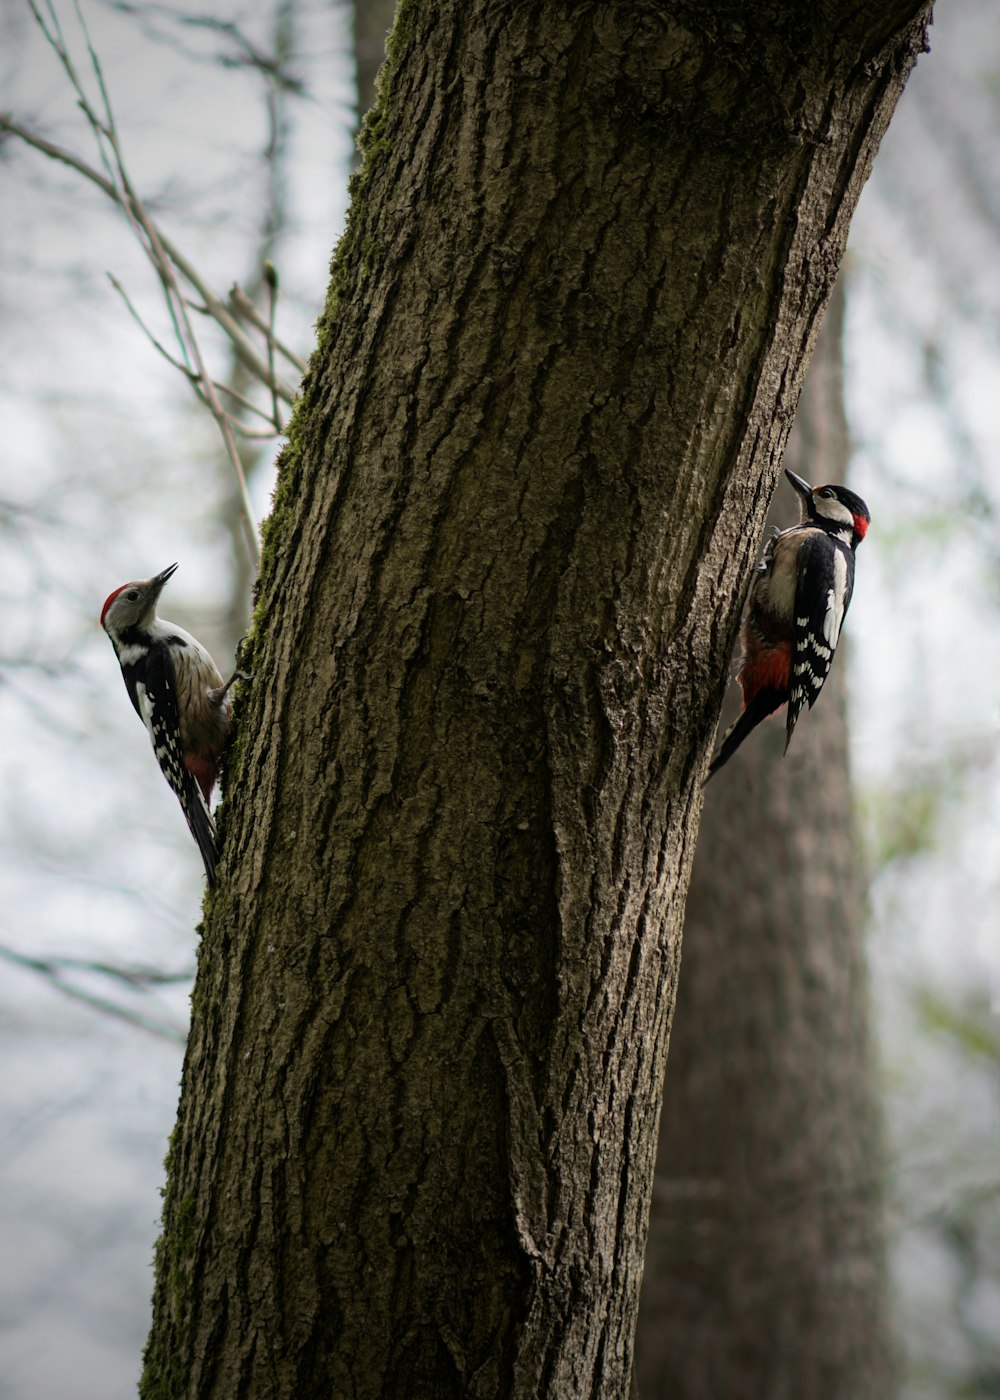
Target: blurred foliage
(971, 1025)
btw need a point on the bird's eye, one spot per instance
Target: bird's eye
(132, 594)
(827, 493)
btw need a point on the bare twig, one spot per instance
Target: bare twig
(55, 970)
(139, 215)
(246, 54)
(114, 180)
(244, 430)
(212, 304)
(273, 427)
(216, 308)
(138, 977)
(244, 307)
(250, 407)
(157, 345)
(271, 278)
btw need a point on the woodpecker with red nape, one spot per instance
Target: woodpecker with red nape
(798, 601)
(179, 695)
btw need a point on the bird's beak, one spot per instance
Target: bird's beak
(802, 487)
(157, 582)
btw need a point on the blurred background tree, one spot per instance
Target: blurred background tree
(765, 1268)
(106, 473)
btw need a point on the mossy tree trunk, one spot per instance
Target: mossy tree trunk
(371, 21)
(587, 254)
(765, 1271)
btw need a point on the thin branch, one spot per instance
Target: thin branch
(156, 344)
(127, 198)
(139, 977)
(244, 430)
(60, 154)
(213, 305)
(273, 428)
(271, 278)
(217, 309)
(116, 184)
(53, 971)
(270, 66)
(139, 216)
(194, 378)
(244, 307)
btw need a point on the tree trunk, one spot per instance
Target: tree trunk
(765, 1271)
(586, 257)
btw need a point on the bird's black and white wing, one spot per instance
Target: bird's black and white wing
(822, 596)
(156, 701)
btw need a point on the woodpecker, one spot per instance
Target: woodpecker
(178, 693)
(798, 601)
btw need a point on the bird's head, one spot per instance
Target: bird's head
(833, 508)
(133, 604)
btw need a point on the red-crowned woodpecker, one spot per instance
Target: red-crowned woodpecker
(797, 605)
(178, 694)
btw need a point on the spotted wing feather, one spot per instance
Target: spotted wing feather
(822, 596)
(156, 700)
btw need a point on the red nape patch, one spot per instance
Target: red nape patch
(770, 669)
(860, 526)
(109, 600)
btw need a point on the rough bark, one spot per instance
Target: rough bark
(765, 1271)
(586, 257)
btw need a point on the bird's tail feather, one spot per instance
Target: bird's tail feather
(202, 827)
(764, 703)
